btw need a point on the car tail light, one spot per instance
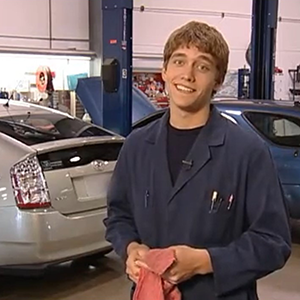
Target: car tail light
(29, 184)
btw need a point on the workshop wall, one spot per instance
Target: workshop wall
(31, 31)
(159, 18)
(19, 71)
(44, 25)
(154, 20)
(288, 45)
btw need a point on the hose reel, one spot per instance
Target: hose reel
(44, 79)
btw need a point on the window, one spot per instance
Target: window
(37, 128)
(283, 130)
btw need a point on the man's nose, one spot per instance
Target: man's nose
(188, 74)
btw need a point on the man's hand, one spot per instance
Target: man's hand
(189, 262)
(135, 257)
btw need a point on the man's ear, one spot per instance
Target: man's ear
(217, 86)
(163, 74)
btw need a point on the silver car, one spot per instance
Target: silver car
(54, 174)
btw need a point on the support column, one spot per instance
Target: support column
(116, 70)
(263, 44)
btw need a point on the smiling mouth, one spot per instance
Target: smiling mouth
(184, 89)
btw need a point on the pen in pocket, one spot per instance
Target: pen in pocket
(213, 200)
(230, 200)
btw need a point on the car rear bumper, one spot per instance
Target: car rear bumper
(292, 195)
(45, 236)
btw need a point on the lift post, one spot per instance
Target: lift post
(263, 43)
(116, 70)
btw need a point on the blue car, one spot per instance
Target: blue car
(277, 123)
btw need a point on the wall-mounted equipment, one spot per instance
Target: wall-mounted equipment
(44, 83)
(295, 76)
(44, 79)
(111, 75)
(243, 83)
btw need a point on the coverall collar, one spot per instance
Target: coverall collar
(211, 135)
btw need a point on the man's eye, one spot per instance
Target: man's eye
(203, 68)
(178, 62)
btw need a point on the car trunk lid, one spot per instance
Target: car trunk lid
(78, 171)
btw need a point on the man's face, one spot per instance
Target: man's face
(190, 77)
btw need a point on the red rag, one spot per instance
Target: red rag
(151, 286)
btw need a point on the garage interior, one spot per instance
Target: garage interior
(100, 61)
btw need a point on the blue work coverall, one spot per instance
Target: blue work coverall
(227, 199)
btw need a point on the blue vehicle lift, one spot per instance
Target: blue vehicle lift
(263, 42)
(117, 65)
(110, 99)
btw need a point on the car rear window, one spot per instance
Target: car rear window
(280, 129)
(36, 128)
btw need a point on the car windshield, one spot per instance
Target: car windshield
(36, 128)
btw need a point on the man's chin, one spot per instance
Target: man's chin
(189, 108)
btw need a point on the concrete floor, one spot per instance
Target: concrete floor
(107, 281)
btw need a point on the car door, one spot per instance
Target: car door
(281, 131)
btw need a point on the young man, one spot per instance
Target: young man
(198, 183)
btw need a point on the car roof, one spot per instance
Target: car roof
(251, 102)
(231, 104)
(261, 105)
(22, 108)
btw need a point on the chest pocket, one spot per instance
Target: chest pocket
(217, 206)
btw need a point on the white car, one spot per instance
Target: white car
(54, 174)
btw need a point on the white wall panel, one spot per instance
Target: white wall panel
(286, 36)
(235, 31)
(71, 45)
(242, 6)
(289, 8)
(145, 64)
(26, 23)
(144, 35)
(70, 19)
(24, 18)
(24, 43)
(288, 60)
